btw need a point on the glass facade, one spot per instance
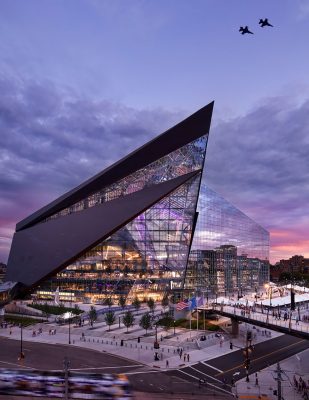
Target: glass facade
(148, 256)
(156, 251)
(229, 251)
(186, 159)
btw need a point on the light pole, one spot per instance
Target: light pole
(174, 327)
(156, 345)
(22, 356)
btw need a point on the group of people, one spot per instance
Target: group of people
(38, 332)
(185, 356)
(301, 386)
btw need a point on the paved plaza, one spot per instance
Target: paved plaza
(177, 350)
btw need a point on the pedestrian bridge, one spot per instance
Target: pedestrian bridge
(263, 319)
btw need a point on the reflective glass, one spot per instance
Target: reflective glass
(148, 256)
(229, 252)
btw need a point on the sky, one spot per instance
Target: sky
(84, 82)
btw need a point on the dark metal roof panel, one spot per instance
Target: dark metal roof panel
(193, 127)
(45, 249)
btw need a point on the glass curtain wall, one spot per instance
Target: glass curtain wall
(229, 252)
(148, 256)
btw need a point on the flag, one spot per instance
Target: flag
(57, 296)
(182, 305)
(192, 303)
(200, 301)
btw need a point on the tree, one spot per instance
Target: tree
(167, 322)
(110, 318)
(92, 315)
(128, 320)
(126, 270)
(76, 309)
(61, 308)
(151, 304)
(108, 270)
(165, 301)
(136, 303)
(145, 322)
(122, 302)
(109, 302)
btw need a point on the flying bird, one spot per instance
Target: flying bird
(245, 30)
(264, 22)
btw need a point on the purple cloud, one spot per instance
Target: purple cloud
(52, 139)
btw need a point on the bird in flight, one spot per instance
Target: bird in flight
(245, 30)
(264, 22)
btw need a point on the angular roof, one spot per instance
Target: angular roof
(46, 248)
(190, 129)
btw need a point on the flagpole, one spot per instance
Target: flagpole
(197, 316)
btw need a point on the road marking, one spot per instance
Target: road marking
(143, 372)
(203, 373)
(119, 366)
(210, 366)
(209, 384)
(259, 358)
(20, 366)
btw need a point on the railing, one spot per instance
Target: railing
(266, 318)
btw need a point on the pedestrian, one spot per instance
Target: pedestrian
(166, 364)
(188, 357)
(184, 357)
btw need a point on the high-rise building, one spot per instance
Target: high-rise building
(127, 231)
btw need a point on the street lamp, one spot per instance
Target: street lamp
(69, 328)
(174, 327)
(156, 345)
(21, 343)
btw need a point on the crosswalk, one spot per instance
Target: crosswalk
(202, 374)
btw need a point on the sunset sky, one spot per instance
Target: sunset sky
(84, 82)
